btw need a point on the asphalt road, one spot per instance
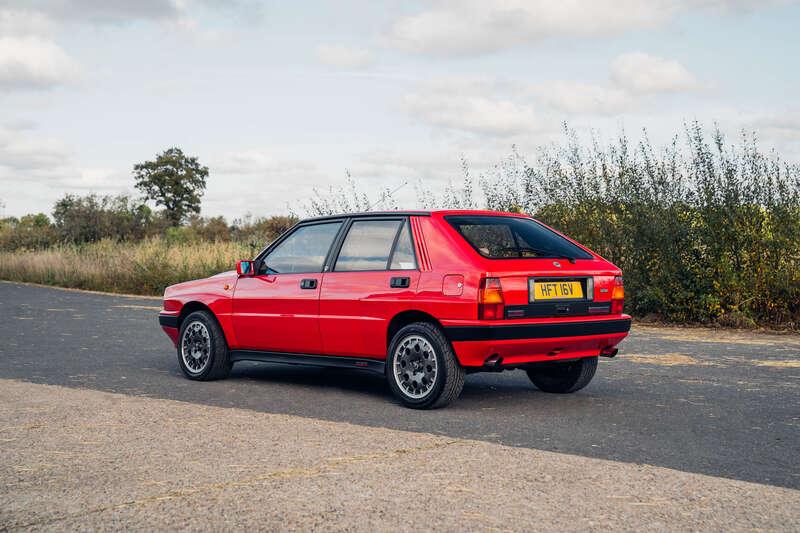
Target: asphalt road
(702, 401)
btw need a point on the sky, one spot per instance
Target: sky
(279, 98)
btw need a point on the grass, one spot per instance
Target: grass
(144, 267)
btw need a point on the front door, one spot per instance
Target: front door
(373, 278)
(277, 310)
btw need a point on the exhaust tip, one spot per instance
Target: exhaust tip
(609, 352)
(493, 362)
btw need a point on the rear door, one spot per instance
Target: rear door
(278, 309)
(374, 277)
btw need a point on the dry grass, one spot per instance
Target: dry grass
(144, 267)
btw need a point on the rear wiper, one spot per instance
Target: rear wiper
(544, 254)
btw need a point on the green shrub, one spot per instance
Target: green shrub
(703, 231)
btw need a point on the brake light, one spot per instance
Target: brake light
(617, 296)
(491, 305)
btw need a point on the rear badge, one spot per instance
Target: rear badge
(556, 264)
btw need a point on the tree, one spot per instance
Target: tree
(174, 181)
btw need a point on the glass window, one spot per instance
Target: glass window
(367, 245)
(403, 256)
(509, 237)
(303, 251)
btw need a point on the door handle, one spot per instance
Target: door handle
(400, 283)
(309, 283)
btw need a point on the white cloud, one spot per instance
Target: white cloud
(102, 11)
(34, 63)
(576, 97)
(344, 57)
(642, 73)
(24, 151)
(473, 27)
(22, 22)
(469, 106)
(453, 28)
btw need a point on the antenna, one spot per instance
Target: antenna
(379, 202)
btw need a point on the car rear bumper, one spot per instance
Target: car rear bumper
(481, 343)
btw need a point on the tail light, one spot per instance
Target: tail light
(491, 305)
(617, 296)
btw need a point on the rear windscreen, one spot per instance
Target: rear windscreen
(512, 237)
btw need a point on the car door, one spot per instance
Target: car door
(373, 277)
(277, 310)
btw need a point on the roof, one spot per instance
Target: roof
(418, 213)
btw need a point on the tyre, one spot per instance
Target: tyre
(421, 367)
(563, 378)
(202, 350)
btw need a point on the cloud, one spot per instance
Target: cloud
(471, 27)
(16, 22)
(474, 27)
(344, 57)
(470, 106)
(576, 97)
(22, 151)
(642, 73)
(102, 11)
(34, 63)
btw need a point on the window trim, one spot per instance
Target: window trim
(261, 257)
(570, 241)
(404, 221)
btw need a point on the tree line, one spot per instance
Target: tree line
(705, 230)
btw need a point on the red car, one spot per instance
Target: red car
(422, 297)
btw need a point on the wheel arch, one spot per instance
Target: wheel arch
(404, 318)
(192, 306)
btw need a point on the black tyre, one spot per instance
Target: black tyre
(421, 367)
(202, 351)
(563, 378)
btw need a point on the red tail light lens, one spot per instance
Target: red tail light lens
(617, 296)
(491, 305)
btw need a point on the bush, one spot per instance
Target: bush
(703, 231)
(91, 218)
(28, 232)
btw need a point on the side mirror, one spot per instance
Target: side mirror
(244, 267)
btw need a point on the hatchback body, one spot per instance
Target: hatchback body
(423, 297)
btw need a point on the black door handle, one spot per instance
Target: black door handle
(400, 283)
(309, 283)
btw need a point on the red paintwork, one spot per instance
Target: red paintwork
(348, 313)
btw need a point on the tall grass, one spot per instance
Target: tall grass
(144, 267)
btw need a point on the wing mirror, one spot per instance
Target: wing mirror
(244, 267)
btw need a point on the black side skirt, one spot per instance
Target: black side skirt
(375, 365)
(537, 331)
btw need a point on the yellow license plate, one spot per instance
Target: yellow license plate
(557, 290)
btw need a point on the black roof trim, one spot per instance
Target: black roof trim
(369, 214)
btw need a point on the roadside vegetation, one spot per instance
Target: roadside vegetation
(705, 230)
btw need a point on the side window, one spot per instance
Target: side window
(367, 245)
(403, 257)
(303, 251)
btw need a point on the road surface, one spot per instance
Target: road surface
(721, 404)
